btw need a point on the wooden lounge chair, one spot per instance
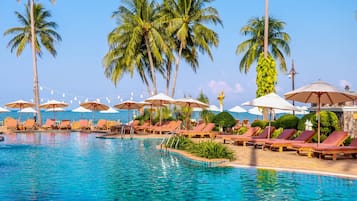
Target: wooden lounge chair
(29, 124)
(185, 132)
(101, 125)
(50, 124)
(65, 125)
(252, 131)
(10, 123)
(280, 144)
(205, 132)
(334, 151)
(285, 135)
(84, 124)
(336, 138)
(171, 127)
(263, 135)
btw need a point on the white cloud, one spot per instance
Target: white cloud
(218, 86)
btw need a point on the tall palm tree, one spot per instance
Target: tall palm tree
(186, 21)
(278, 42)
(138, 31)
(37, 31)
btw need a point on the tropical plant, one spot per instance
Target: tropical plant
(137, 42)
(287, 121)
(211, 149)
(224, 120)
(185, 21)
(254, 46)
(259, 123)
(36, 31)
(207, 116)
(266, 76)
(203, 98)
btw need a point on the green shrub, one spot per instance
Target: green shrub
(224, 120)
(287, 121)
(329, 122)
(211, 149)
(277, 132)
(183, 143)
(301, 124)
(260, 123)
(207, 116)
(242, 130)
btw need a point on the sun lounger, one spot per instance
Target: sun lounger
(205, 132)
(50, 124)
(29, 124)
(101, 125)
(336, 138)
(285, 135)
(252, 131)
(243, 140)
(321, 152)
(280, 144)
(170, 127)
(10, 123)
(65, 125)
(196, 129)
(84, 124)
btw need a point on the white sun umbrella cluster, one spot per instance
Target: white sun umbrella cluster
(271, 101)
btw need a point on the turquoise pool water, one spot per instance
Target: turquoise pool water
(78, 166)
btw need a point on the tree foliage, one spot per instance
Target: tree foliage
(266, 75)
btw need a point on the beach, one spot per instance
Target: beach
(283, 161)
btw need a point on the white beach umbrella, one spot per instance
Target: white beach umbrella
(237, 109)
(81, 109)
(130, 105)
(271, 101)
(54, 106)
(319, 93)
(27, 110)
(4, 110)
(213, 108)
(110, 110)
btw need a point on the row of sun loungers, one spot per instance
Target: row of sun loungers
(51, 124)
(331, 146)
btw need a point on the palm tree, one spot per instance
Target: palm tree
(36, 30)
(186, 20)
(137, 41)
(278, 42)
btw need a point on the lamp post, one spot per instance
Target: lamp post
(292, 74)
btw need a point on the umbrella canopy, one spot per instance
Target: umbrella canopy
(56, 109)
(189, 102)
(81, 109)
(94, 106)
(255, 111)
(27, 110)
(53, 104)
(110, 110)
(160, 99)
(319, 93)
(271, 101)
(237, 109)
(4, 110)
(213, 108)
(130, 105)
(20, 104)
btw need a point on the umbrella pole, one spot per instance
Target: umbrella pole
(318, 120)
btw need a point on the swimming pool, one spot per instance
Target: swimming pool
(78, 166)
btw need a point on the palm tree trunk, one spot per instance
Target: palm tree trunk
(34, 64)
(266, 28)
(152, 68)
(176, 70)
(168, 77)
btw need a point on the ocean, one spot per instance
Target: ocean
(121, 116)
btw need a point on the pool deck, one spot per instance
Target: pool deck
(287, 161)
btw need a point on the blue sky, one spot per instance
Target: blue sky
(323, 46)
